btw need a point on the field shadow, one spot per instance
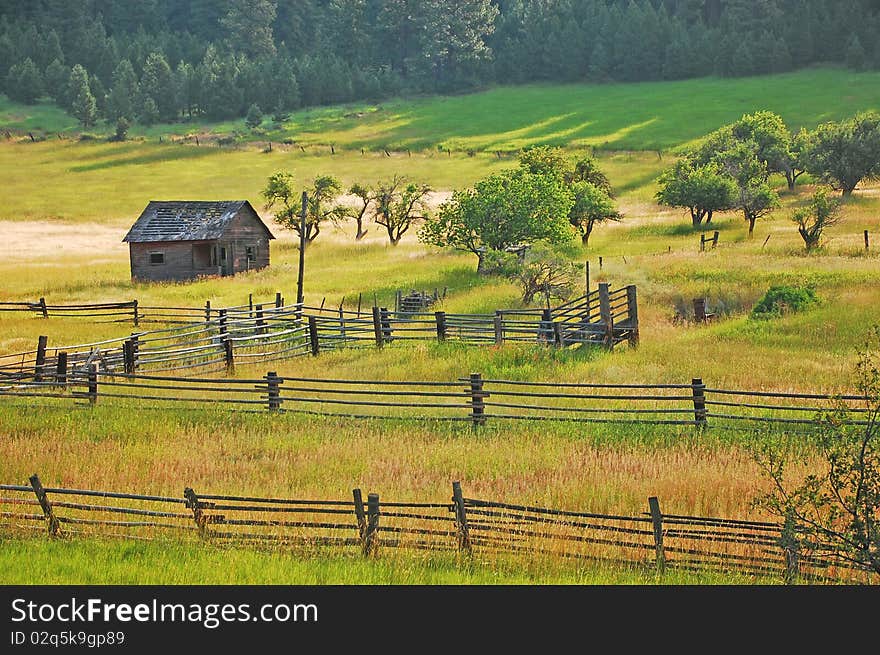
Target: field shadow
(164, 154)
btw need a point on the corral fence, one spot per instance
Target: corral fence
(472, 399)
(460, 524)
(252, 333)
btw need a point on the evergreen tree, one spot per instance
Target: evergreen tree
(855, 54)
(249, 26)
(57, 77)
(157, 84)
(254, 117)
(25, 83)
(84, 107)
(124, 92)
(599, 62)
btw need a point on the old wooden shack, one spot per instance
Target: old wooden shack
(182, 240)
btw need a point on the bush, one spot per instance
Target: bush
(780, 300)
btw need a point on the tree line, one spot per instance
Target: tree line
(163, 60)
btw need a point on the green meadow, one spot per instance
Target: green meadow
(66, 204)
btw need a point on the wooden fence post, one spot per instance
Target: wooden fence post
(361, 517)
(698, 389)
(93, 384)
(867, 242)
(135, 351)
(261, 324)
(791, 550)
(274, 393)
(207, 311)
(478, 405)
(61, 369)
(127, 356)
(632, 308)
(715, 239)
(377, 327)
(499, 329)
(700, 310)
(605, 315)
(43, 308)
(41, 358)
(135, 317)
(461, 525)
(313, 336)
(54, 526)
(441, 325)
(657, 520)
(372, 524)
(278, 299)
(222, 323)
(545, 327)
(587, 278)
(250, 305)
(229, 356)
(703, 242)
(558, 334)
(386, 324)
(196, 506)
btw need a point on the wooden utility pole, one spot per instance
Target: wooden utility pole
(302, 248)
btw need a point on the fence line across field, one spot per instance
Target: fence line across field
(460, 524)
(257, 333)
(473, 399)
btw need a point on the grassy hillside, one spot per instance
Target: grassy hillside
(642, 116)
(66, 205)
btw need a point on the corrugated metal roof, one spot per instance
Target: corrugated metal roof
(186, 220)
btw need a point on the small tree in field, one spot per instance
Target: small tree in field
(812, 220)
(843, 154)
(398, 204)
(84, 106)
(254, 117)
(280, 195)
(592, 205)
(836, 513)
(702, 190)
(502, 210)
(364, 194)
(543, 271)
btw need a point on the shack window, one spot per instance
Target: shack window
(251, 253)
(157, 258)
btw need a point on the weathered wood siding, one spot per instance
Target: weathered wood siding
(245, 231)
(178, 262)
(186, 260)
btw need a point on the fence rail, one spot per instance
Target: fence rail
(472, 399)
(211, 339)
(468, 525)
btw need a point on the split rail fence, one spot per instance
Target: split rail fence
(472, 399)
(220, 338)
(460, 524)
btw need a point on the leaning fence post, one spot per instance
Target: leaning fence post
(372, 524)
(478, 405)
(632, 308)
(53, 524)
(313, 336)
(440, 317)
(698, 390)
(61, 369)
(274, 393)
(791, 549)
(43, 308)
(715, 239)
(93, 384)
(377, 327)
(461, 525)
(361, 517)
(41, 358)
(657, 520)
(605, 315)
(135, 317)
(196, 506)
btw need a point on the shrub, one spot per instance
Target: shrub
(780, 300)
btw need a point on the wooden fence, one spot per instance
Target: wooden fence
(472, 399)
(467, 525)
(258, 333)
